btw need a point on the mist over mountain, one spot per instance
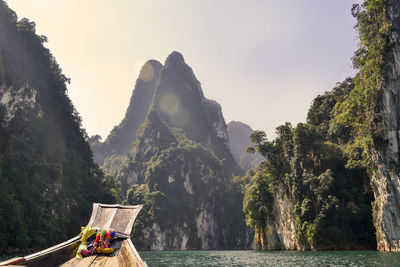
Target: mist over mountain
(239, 139)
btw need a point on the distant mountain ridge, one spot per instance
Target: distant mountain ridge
(239, 139)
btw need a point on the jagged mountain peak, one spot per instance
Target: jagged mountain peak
(179, 71)
(174, 59)
(149, 70)
(153, 62)
(180, 155)
(175, 94)
(180, 103)
(123, 135)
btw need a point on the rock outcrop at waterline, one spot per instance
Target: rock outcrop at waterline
(179, 165)
(385, 157)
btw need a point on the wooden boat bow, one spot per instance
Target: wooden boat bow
(104, 216)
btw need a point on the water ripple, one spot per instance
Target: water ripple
(249, 258)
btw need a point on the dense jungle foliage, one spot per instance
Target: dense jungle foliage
(329, 201)
(48, 180)
(323, 166)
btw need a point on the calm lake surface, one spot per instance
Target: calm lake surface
(271, 258)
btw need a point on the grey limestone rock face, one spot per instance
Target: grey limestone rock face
(385, 158)
(280, 230)
(180, 102)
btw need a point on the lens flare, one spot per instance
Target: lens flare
(171, 105)
(146, 73)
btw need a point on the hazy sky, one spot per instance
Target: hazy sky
(263, 61)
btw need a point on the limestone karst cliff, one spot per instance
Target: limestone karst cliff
(356, 163)
(174, 152)
(303, 197)
(180, 166)
(385, 155)
(371, 113)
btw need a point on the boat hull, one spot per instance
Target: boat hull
(104, 216)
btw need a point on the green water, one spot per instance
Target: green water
(271, 258)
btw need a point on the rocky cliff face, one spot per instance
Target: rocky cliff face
(385, 175)
(48, 180)
(180, 102)
(194, 213)
(122, 136)
(239, 139)
(279, 232)
(306, 196)
(180, 166)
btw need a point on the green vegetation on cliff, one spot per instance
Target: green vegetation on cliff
(48, 180)
(180, 167)
(328, 201)
(357, 120)
(322, 168)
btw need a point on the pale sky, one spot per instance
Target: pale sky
(263, 61)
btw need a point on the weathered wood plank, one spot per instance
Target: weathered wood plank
(100, 261)
(86, 261)
(75, 262)
(62, 246)
(126, 257)
(102, 217)
(133, 249)
(53, 257)
(71, 262)
(122, 219)
(119, 217)
(112, 262)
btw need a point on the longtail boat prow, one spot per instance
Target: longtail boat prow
(120, 218)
